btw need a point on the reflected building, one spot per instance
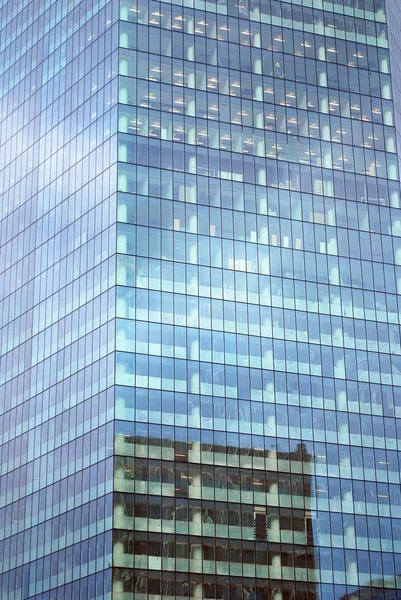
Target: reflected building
(375, 590)
(213, 517)
(200, 273)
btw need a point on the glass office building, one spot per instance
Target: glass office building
(200, 376)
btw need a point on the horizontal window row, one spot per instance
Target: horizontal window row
(27, 122)
(211, 211)
(259, 168)
(166, 37)
(73, 324)
(194, 182)
(93, 379)
(346, 26)
(235, 235)
(52, 29)
(229, 556)
(57, 499)
(197, 260)
(66, 361)
(278, 146)
(91, 447)
(145, 584)
(276, 323)
(60, 419)
(250, 257)
(284, 144)
(247, 416)
(244, 319)
(239, 88)
(56, 465)
(53, 535)
(185, 76)
(93, 145)
(281, 388)
(234, 316)
(231, 381)
(260, 488)
(275, 354)
(17, 191)
(259, 53)
(218, 447)
(49, 247)
(51, 66)
(285, 525)
(40, 263)
(64, 300)
(263, 289)
(255, 289)
(80, 560)
(191, 227)
(26, 144)
(178, 515)
(223, 344)
(53, 433)
(369, 9)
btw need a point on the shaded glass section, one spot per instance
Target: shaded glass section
(58, 95)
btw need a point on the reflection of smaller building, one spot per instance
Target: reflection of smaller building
(225, 519)
(377, 589)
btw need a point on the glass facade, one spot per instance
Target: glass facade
(258, 370)
(58, 111)
(200, 377)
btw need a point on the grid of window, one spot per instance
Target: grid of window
(200, 273)
(258, 363)
(58, 115)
